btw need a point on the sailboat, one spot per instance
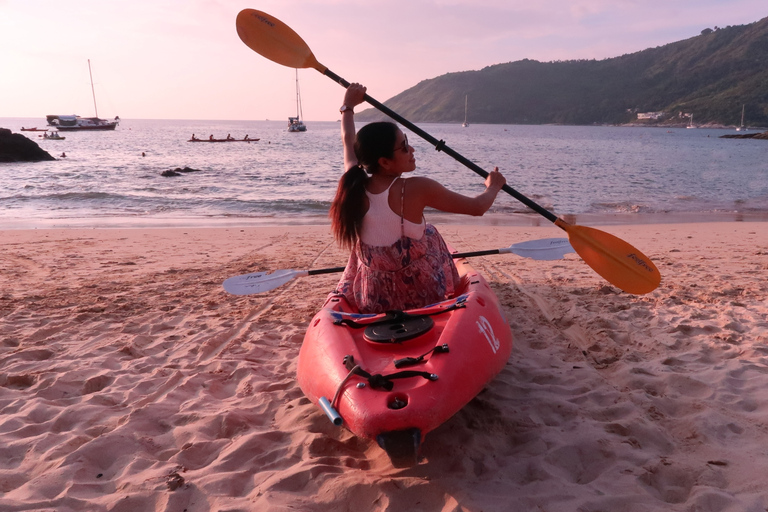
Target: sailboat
(295, 124)
(73, 122)
(741, 127)
(465, 123)
(690, 123)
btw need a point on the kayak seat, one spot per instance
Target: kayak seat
(399, 327)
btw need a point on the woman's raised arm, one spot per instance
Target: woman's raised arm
(353, 96)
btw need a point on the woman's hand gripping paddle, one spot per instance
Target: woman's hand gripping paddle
(614, 259)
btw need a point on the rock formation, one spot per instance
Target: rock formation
(15, 147)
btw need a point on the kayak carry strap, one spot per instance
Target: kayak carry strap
(410, 361)
(378, 381)
(341, 384)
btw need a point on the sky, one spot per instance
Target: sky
(183, 59)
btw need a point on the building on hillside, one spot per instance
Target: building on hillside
(650, 115)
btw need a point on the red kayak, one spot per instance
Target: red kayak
(397, 376)
(223, 140)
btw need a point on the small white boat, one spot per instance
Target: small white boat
(690, 123)
(465, 123)
(53, 136)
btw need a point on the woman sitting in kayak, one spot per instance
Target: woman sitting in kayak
(398, 261)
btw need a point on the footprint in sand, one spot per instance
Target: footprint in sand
(17, 381)
(96, 384)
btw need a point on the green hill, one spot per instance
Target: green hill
(710, 76)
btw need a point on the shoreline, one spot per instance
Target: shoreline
(437, 218)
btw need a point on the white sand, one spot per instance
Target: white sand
(130, 381)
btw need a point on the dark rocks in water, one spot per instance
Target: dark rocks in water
(15, 147)
(178, 171)
(763, 136)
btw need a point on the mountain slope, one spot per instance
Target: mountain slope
(710, 76)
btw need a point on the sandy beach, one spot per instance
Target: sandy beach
(130, 381)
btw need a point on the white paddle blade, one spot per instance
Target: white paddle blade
(259, 282)
(545, 249)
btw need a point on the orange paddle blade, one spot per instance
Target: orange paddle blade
(273, 39)
(614, 259)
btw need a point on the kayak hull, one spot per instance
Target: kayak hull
(472, 326)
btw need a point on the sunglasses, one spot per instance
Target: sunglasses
(404, 147)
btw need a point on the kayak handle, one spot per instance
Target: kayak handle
(329, 411)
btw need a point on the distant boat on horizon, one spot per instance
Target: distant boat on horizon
(690, 123)
(75, 123)
(741, 126)
(465, 123)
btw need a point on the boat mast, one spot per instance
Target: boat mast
(299, 113)
(93, 92)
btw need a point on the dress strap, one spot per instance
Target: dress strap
(402, 209)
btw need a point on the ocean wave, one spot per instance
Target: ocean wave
(621, 207)
(578, 171)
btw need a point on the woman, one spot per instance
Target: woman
(398, 261)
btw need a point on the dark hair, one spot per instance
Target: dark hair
(372, 141)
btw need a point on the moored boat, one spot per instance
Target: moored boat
(77, 123)
(295, 124)
(395, 377)
(74, 123)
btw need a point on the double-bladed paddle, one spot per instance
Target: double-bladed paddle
(614, 259)
(259, 282)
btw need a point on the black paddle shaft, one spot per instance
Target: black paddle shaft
(457, 255)
(440, 145)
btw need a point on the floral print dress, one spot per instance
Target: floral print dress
(407, 274)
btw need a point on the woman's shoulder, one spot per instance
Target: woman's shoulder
(420, 184)
(420, 181)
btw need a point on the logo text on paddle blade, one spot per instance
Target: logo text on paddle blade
(640, 262)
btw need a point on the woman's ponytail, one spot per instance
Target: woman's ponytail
(372, 142)
(348, 207)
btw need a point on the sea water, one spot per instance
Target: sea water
(627, 173)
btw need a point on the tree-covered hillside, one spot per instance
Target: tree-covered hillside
(710, 76)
